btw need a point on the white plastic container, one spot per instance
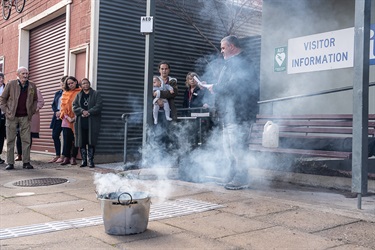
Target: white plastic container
(270, 138)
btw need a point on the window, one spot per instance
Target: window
(78, 65)
(1, 64)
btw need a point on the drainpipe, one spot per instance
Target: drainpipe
(149, 61)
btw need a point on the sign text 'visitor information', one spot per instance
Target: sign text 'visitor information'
(324, 51)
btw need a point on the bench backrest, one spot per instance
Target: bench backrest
(310, 126)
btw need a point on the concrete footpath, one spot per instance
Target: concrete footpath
(279, 211)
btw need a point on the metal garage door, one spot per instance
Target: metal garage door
(46, 66)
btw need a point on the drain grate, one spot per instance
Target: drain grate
(40, 182)
(157, 212)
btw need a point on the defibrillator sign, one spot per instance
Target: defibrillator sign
(147, 24)
(280, 59)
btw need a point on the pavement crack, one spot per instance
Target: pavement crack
(336, 226)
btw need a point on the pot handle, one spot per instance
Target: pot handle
(128, 202)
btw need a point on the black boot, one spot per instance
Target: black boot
(90, 153)
(84, 157)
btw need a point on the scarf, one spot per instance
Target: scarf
(66, 108)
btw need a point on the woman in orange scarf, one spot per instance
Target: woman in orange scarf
(71, 89)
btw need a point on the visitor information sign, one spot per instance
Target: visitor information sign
(324, 51)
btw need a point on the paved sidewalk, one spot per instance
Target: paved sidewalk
(282, 213)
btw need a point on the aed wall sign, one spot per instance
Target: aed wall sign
(280, 59)
(147, 24)
(324, 51)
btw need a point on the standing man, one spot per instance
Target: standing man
(164, 70)
(19, 101)
(34, 129)
(236, 96)
(2, 119)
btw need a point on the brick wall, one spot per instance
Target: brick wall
(80, 23)
(9, 34)
(9, 46)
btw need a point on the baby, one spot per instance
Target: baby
(160, 102)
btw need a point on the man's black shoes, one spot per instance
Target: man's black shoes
(9, 167)
(1, 161)
(27, 166)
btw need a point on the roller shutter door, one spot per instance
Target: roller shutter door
(46, 66)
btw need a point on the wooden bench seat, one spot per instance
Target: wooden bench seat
(325, 135)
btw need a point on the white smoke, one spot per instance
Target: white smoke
(111, 183)
(131, 183)
(172, 148)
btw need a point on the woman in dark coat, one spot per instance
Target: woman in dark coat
(56, 122)
(87, 107)
(194, 95)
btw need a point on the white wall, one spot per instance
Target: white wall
(286, 19)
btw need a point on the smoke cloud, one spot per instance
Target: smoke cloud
(175, 148)
(132, 183)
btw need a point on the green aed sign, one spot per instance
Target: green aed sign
(280, 59)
